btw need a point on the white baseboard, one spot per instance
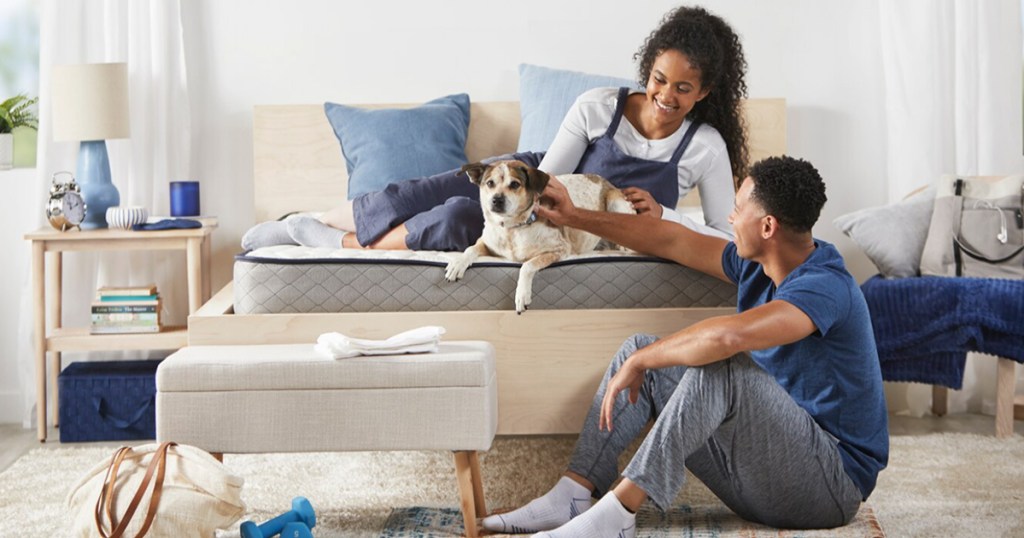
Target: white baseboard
(11, 406)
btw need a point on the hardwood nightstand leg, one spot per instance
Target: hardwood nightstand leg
(55, 283)
(207, 261)
(940, 398)
(195, 273)
(39, 327)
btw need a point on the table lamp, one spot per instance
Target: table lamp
(90, 105)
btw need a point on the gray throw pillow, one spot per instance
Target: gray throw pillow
(892, 236)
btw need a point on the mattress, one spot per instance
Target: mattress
(295, 279)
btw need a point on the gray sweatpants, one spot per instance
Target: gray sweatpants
(735, 428)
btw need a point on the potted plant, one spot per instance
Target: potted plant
(14, 112)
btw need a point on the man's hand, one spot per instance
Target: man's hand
(643, 202)
(556, 206)
(628, 377)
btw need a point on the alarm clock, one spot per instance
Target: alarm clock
(66, 207)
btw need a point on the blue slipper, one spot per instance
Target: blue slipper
(167, 224)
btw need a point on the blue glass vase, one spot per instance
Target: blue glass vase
(93, 178)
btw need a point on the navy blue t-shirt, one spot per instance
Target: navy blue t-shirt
(834, 373)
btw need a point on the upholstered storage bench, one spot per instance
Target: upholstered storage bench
(288, 398)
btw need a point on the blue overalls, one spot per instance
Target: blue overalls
(442, 212)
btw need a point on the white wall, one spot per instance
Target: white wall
(821, 55)
(243, 53)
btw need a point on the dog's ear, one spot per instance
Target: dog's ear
(475, 171)
(536, 180)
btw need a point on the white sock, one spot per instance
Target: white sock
(310, 232)
(561, 503)
(608, 518)
(265, 234)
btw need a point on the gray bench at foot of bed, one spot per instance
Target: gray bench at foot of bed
(288, 398)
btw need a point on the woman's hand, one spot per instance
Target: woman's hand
(643, 202)
(556, 206)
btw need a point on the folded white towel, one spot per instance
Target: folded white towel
(419, 340)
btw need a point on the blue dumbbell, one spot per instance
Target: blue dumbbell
(296, 529)
(301, 512)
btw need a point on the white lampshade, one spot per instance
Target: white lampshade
(90, 101)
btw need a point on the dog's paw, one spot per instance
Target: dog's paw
(523, 298)
(455, 270)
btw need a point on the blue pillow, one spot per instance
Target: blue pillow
(387, 145)
(546, 95)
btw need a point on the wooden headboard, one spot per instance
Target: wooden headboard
(297, 161)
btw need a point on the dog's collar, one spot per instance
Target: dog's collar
(529, 220)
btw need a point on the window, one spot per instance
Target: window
(19, 66)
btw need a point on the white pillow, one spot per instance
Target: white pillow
(892, 236)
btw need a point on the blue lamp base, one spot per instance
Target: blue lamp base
(93, 178)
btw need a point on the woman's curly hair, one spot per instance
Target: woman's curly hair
(712, 46)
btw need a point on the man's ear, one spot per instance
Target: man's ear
(536, 180)
(769, 226)
(475, 171)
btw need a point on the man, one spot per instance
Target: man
(778, 408)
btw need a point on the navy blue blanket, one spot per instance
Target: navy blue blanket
(924, 326)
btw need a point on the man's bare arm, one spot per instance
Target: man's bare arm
(657, 237)
(772, 324)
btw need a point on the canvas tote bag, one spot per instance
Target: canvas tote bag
(977, 228)
(161, 489)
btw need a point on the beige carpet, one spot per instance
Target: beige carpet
(936, 485)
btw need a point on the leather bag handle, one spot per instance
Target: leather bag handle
(105, 503)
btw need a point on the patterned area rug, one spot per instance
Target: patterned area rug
(682, 521)
(937, 485)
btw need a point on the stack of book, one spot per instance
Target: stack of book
(126, 309)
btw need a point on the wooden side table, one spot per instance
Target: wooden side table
(48, 246)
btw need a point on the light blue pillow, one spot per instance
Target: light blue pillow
(546, 95)
(387, 145)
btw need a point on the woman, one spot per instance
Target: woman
(683, 131)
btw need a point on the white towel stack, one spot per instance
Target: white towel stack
(419, 340)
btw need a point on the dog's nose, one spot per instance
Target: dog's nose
(498, 204)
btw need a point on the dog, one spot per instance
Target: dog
(509, 193)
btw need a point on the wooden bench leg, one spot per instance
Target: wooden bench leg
(471, 489)
(1005, 381)
(478, 485)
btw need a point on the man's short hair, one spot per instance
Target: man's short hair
(789, 189)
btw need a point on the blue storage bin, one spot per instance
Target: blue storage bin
(108, 401)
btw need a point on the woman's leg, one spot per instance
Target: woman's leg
(420, 214)
(373, 216)
(265, 234)
(341, 219)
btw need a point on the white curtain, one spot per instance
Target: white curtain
(952, 78)
(147, 35)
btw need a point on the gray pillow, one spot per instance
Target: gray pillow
(892, 236)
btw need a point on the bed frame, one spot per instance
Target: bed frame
(549, 361)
